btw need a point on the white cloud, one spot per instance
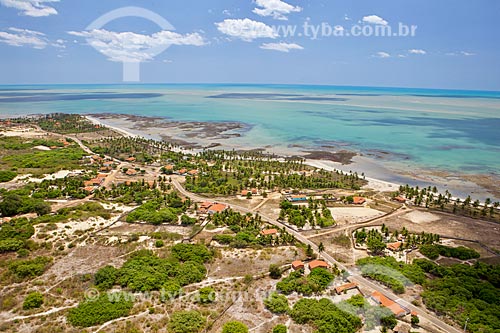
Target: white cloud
(245, 29)
(23, 37)
(339, 28)
(346, 17)
(59, 43)
(401, 56)
(35, 8)
(275, 8)
(460, 53)
(417, 51)
(374, 19)
(467, 54)
(227, 12)
(282, 47)
(382, 55)
(133, 47)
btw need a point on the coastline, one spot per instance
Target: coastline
(379, 177)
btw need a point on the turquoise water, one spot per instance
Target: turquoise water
(449, 130)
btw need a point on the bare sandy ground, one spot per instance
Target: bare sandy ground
(351, 215)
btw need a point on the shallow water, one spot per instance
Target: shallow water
(446, 130)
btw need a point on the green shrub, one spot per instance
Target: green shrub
(105, 308)
(186, 322)
(34, 300)
(6, 175)
(30, 268)
(277, 303)
(325, 315)
(8, 245)
(206, 295)
(234, 327)
(280, 328)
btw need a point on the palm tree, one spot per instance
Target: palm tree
(321, 247)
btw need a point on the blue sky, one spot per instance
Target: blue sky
(456, 43)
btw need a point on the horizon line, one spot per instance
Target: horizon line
(245, 84)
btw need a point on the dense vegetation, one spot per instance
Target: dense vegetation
(33, 300)
(163, 209)
(247, 231)
(133, 192)
(388, 271)
(50, 161)
(317, 281)
(373, 315)
(325, 316)
(14, 235)
(29, 268)
(461, 252)
(66, 123)
(277, 303)
(16, 202)
(186, 322)
(145, 271)
(316, 214)
(463, 291)
(6, 175)
(95, 312)
(143, 150)
(234, 327)
(232, 172)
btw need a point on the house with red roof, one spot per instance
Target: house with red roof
(397, 309)
(217, 208)
(131, 172)
(269, 232)
(297, 264)
(358, 200)
(400, 199)
(340, 289)
(394, 246)
(317, 263)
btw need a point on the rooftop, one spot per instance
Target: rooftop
(318, 263)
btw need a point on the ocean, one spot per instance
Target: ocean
(403, 131)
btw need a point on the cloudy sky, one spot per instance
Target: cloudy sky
(454, 44)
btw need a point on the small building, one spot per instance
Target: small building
(317, 263)
(131, 172)
(169, 167)
(244, 193)
(192, 172)
(130, 159)
(217, 208)
(297, 264)
(94, 182)
(396, 309)
(89, 189)
(394, 246)
(340, 289)
(358, 200)
(269, 232)
(399, 199)
(182, 171)
(296, 198)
